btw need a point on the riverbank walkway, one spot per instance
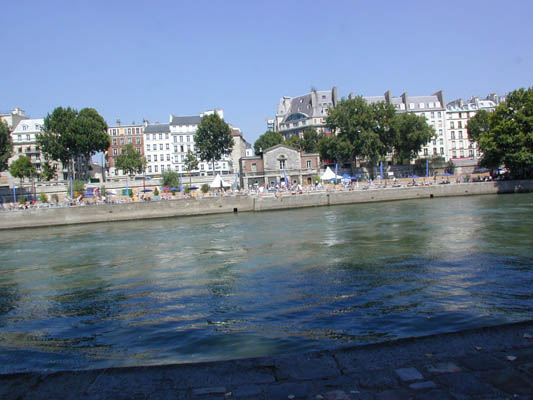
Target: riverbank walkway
(487, 363)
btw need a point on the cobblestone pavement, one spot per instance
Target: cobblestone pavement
(488, 363)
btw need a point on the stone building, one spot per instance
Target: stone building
(296, 114)
(278, 163)
(13, 118)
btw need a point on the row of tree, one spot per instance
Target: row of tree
(366, 132)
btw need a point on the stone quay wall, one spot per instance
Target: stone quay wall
(229, 204)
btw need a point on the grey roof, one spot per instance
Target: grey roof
(156, 128)
(304, 104)
(191, 120)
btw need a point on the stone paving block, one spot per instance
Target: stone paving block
(381, 379)
(306, 367)
(247, 391)
(70, 385)
(464, 383)
(509, 382)
(337, 395)
(17, 385)
(436, 395)
(423, 385)
(443, 368)
(409, 374)
(299, 390)
(527, 368)
(397, 394)
(209, 390)
(482, 362)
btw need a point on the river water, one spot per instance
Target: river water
(251, 284)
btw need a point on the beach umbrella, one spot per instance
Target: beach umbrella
(146, 190)
(414, 176)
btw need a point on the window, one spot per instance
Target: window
(19, 138)
(20, 149)
(181, 139)
(432, 114)
(160, 136)
(115, 152)
(308, 163)
(442, 150)
(439, 114)
(453, 135)
(188, 138)
(435, 151)
(138, 149)
(441, 142)
(166, 135)
(160, 146)
(162, 167)
(155, 157)
(149, 169)
(168, 146)
(460, 134)
(129, 131)
(168, 157)
(434, 142)
(121, 140)
(28, 138)
(421, 105)
(281, 164)
(149, 158)
(425, 152)
(168, 167)
(181, 149)
(155, 168)
(24, 127)
(202, 167)
(452, 125)
(175, 139)
(138, 140)
(130, 141)
(37, 127)
(175, 148)
(440, 132)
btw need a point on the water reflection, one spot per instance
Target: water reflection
(214, 287)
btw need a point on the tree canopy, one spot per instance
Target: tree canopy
(412, 132)
(21, 168)
(507, 138)
(335, 148)
(69, 135)
(213, 138)
(266, 140)
(6, 145)
(478, 124)
(170, 178)
(130, 161)
(367, 127)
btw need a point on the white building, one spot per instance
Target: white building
(166, 146)
(459, 113)
(431, 107)
(13, 118)
(24, 138)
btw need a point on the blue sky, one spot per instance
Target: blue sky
(146, 59)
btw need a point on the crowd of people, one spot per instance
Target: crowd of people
(276, 189)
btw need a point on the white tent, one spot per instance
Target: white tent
(329, 175)
(218, 182)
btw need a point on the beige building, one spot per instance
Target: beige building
(13, 118)
(121, 136)
(278, 163)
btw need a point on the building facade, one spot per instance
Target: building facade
(13, 118)
(296, 114)
(121, 136)
(167, 145)
(24, 138)
(277, 164)
(459, 112)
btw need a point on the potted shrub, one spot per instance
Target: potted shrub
(156, 194)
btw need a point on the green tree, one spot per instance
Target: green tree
(266, 140)
(48, 171)
(310, 140)
(191, 163)
(130, 161)
(509, 138)
(21, 168)
(412, 132)
(335, 148)
(170, 178)
(478, 124)
(6, 145)
(369, 128)
(295, 141)
(213, 139)
(72, 137)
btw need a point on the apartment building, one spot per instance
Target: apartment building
(121, 136)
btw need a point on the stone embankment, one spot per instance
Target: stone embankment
(240, 203)
(488, 363)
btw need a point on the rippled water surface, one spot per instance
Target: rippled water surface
(228, 286)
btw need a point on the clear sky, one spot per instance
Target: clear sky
(135, 60)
